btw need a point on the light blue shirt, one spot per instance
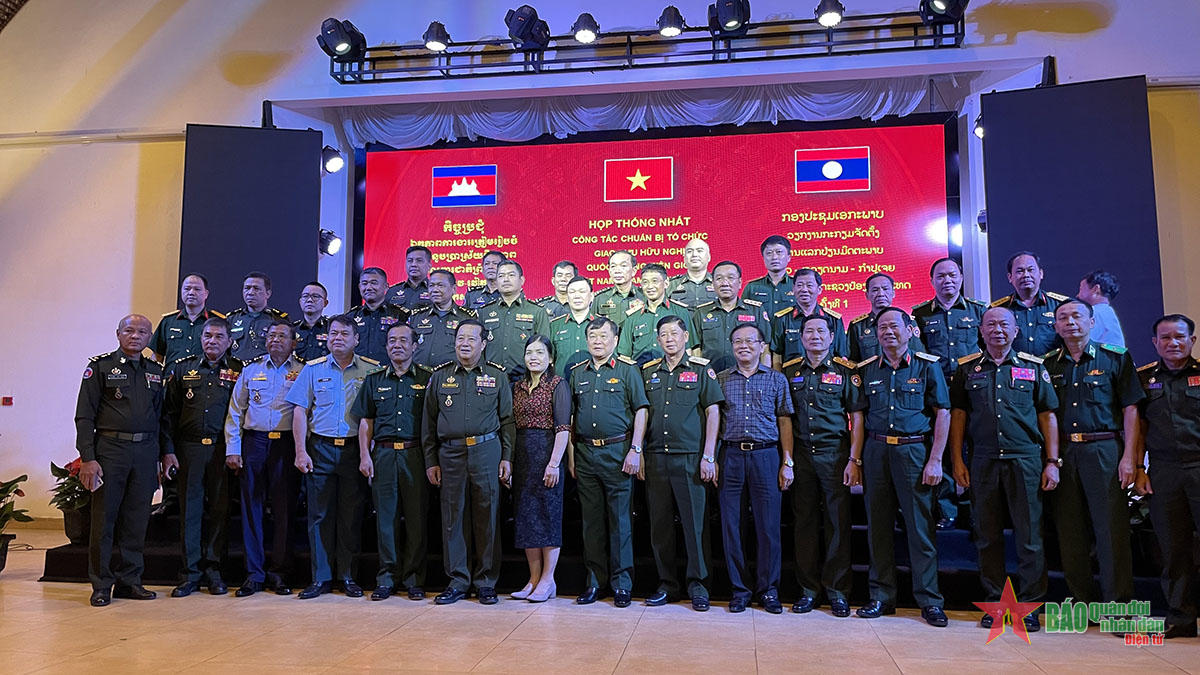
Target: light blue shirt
(328, 392)
(1108, 327)
(259, 400)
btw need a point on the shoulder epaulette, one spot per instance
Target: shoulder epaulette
(651, 364)
(260, 357)
(1148, 366)
(832, 313)
(296, 356)
(752, 303)
(1031, 357)
(319, 359)
(784, 312)
(927, 303)
(677, 277)
(238, 362)
(969, 358)
(469, 311)
(1001, 302)
(480, 287)
(277, 312)
(698, 360)
(928, 357)
(1057, 296)
(973, 301)
(1051, 353)
(626, 359)
(1116, 349)
(369, 360)
(497, 366)
(681, 304)
(93, 359)
(424, 367)
(578, 364)
(863, 363)
(843, 361)
(631, 311)
(489, 303)
(798, 359)
(174, 311)
(861, 318)
(182, 359)
(707, 304)
(541, 300)
(442, 365)
(560, 316)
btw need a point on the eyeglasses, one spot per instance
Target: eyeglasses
(311, 296)
(746, 343)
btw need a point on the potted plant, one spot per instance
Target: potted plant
(9, 491)
(73, 499)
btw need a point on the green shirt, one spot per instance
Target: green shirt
(678, 400)
(639, 335)
(823, 396)
(785, 329)
(714, 325)
(612, 304)
(249, 331)
(1036, 322)
(570, 342)
(410, 297)
(462, 402)
(554, 308)
(605, 399)
(395, 402)
(902, 401)
(1172, 413)
(197, 400)
(864, 339)
(773, 297)
(950, 333)
(1092, 393)
(508, 326)
(691, 293)
(1002, 401)
(372, 327)
(177, 337)
(435, 333)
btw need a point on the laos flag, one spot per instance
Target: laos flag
(833, 170)
(464, 185)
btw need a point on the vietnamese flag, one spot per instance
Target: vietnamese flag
(639, 179)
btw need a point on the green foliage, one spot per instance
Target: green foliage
(9, 491)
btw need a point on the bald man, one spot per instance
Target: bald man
(695, 286)
(116, 433)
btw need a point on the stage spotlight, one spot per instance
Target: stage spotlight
(526, 29)
(943, 11)
(829, 13)
(670, 22)
(342, 41)
(329, 243)
(585, 29)
(436, 38)
(332, 160)
(729, 17)
(979, 126)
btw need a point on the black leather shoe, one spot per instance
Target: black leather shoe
(276, 583)
(314, 590)
(589, 595)
(771, 604)
(487, 596)
(283, 590)
(804, 605)
(659, 599)
(449, 596)
(934, 616)
(415, 593)
(622, 598)
(699, 603)
(737, 605)
(987, 621)
(839, 607)
(945, 524)
(138, 592)
(381, 593)
(1032, 623)
(1181, 630)
(874, 609)
(217, 587)
(352, 590)
(247, 589)
(101, 598)
(185, 589)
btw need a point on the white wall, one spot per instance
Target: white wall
(91, 231)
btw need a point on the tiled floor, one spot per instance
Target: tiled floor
(49, 628)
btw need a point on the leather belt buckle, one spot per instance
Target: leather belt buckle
(274, 435)
(746, 447)
(206, 441)
(893, 440)
(1077, 438)
(339, 442)
(470, 441)
(598, 442)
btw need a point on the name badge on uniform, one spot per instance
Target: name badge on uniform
(976, 376)
(1158, 385)
(382, 389)
(176, 330)
(1193, 381)
(1027, 374)
(688, 376)
(259, 378)
(798, 378)
(193, 375)
(654, 379)
(524, 317)
(873, 383)
(831, 378)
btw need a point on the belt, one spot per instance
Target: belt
(601, 442)
(397, 445)
(897, 440)
(1088, 438)
(272, 435)
(124, 436)
(205, 440)
(747, 446)
(469, 441)
(338, 442)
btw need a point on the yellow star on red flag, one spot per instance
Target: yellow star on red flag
(637, 180)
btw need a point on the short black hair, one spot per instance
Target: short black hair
(448, 273)
(320, 286)
(657, 269)
(374, 270)
(203, 279)
(280, 322)
(878, 275)
(670, 319)
(566, 263)
(262, 276)
(939, 261)
(775, 240)
(511, 263)
(908, 320)
(761, 336)
(822, 317)
(217, 322)
(1107, 281)
(807, 272)
(1173, 318)
(470, 322)
(728, 263)
(1036, 258)
(602, 321)
(345, 320)
(490, 253)
(1075, 300)
(582, 278)
(398, 325)
(632, 257)
(426, 251)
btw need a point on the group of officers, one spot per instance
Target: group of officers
(696, 384)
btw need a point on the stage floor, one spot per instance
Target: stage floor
(49, 628)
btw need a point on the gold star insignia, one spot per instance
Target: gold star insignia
(637, 180)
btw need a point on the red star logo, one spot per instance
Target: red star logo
(1008, 605)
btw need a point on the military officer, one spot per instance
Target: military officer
(681, 456)
(116, 432)
(556, 305)
(435, 325)
(614, 302)
(511, 319)
(1171, 427)
(178, 331)
(695, 286)
(639, 339)
(568, 332)
(413, 293)
(785, 325)
(828, 441)
(480, 295)
(880, 291)
(259, 446)
(196, 401)
(1033, 307)
(323, 395)
(906, 400)
(248, 324)
(610, 404)
(312, 328)
(1004, 402)
(774, 289)
(375, 316)
(1098, 394)
(390, 405)
(468, 435)
(715, 321)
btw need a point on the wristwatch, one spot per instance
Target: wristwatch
(710, 460)
(1056, 461)
(637, 449)
(857, 461)
(788, 462)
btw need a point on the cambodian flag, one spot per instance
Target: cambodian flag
(833, 170)
(464, 185)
